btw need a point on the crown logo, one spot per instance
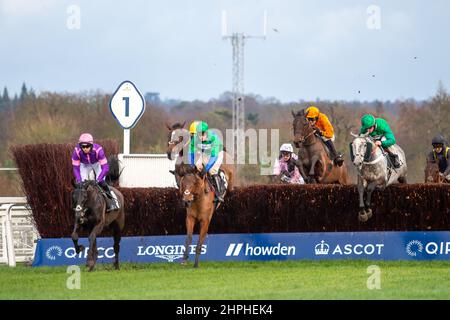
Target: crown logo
(322, 248)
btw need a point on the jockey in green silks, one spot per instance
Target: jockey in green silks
(206, 153)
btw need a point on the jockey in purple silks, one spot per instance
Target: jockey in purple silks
(87, 157)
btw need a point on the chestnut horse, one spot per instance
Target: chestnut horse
(199, 209)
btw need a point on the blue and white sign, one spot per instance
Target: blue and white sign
(264, 246)
(127, 105)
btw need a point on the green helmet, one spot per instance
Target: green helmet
(202, 127)
(367, 121)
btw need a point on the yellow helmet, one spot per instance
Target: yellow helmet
(193, 127)
(312, 112)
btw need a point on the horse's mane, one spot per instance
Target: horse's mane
(177, 125)
(300, 113)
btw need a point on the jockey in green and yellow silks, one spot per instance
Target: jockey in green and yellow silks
(206, 153)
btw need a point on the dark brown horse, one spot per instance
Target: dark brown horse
(89, 205)
(199, 209)
(313, 162)
(432, 174)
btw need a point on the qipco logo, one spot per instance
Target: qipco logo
(416, 248)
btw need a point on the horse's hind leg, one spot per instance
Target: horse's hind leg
(190, 222)
(204, 224)
(117, 236)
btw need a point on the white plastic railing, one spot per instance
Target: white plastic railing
(18, 233)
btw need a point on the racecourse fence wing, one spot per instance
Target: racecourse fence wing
(46, 172)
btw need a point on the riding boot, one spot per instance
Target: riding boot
(335, 157)
(394, 158)
(110, 201)
(218, 185)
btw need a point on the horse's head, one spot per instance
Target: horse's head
(176, 134)
(191, 185)
(79, 200)
(361, 149)
(432, 173)
(301, 126)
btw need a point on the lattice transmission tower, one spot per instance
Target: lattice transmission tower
(238, 44)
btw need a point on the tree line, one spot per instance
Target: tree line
(49, 117)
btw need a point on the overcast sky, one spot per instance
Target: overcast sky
(314, 49)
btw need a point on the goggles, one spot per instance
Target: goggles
(86, 146)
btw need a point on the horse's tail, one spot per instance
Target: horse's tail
(114, 169)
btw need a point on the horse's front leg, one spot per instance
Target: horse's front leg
(301, 168)
(370, 188)
(362, 214)
(190, 222)
(78, 248)
(117, 234)
(92, 254)
(312, 173)
(203, 231)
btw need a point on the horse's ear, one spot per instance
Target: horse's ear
(354, 134)
(293, 113)
(168, 126)
(184, 123)
(73, 183)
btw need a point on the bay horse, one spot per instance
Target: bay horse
(178, 140)
(313, 162)
(372, 164)
(199, 209)
(89, 205)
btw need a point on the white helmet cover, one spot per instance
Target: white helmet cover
(286, 147)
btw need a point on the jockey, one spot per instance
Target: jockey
(379, 129)
(193, 141)
(325, 131)
(208, 145)
(87, 157)
(440, 155)
(285, 165)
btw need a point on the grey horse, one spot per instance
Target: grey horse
(371, 162)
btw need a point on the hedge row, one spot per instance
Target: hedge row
(46, 173)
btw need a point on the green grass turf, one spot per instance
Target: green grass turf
(343, 279)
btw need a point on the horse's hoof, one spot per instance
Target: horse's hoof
(368, 213)
(195, 266)
(183, 262)
(362, 217)
(116, 266)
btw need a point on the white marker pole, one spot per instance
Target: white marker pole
(126, 141)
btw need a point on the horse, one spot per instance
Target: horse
(372, 164)
(199, 209)
(432, 173)
(313, 157)
(89, 205)
(178, 140)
